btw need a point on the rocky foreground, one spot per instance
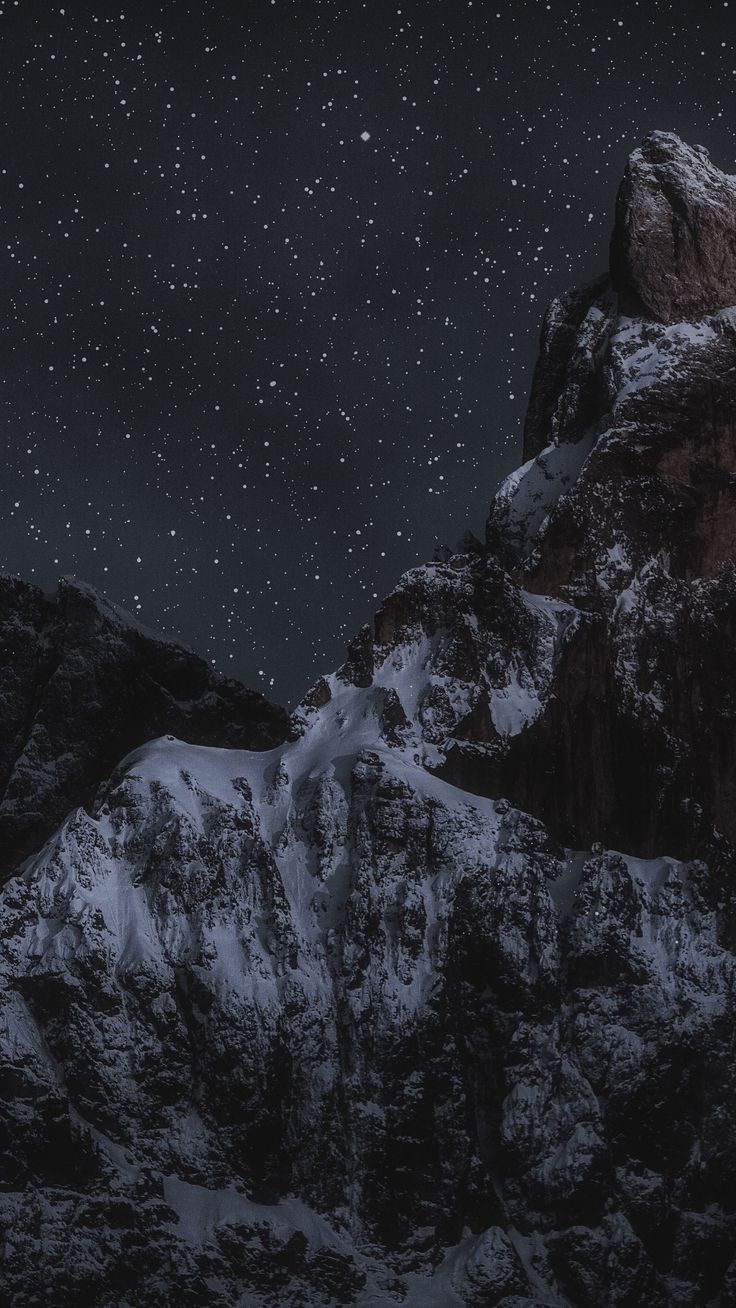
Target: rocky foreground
(427, 997)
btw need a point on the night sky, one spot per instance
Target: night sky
(273, 275)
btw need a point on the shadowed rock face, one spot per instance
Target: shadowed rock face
(632, 523)
(432, 1003)
(568, 391)
(81, 683)
(673, 250)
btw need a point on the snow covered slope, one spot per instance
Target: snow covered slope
(319, 1002)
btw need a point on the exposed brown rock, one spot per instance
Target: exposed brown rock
(674, 244)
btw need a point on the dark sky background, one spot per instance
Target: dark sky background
(272, 281)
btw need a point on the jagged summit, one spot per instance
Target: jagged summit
(673, 249)
(672, 259)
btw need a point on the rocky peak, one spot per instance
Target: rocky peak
(673, 251)
(587, 631)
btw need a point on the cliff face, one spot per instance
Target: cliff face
(631, 519)
(431, 1003)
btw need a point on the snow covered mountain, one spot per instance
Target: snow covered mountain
(432, 1002)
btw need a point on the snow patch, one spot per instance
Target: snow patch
(527, 497)
(514, 706)
(200, 1211)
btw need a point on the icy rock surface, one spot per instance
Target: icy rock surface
(431, 1003)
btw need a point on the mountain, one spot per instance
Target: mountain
(432, 1003)
(81, 684)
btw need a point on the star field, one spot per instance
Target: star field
(273, 276)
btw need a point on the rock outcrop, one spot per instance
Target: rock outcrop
(431, 1003)
(674, 244)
